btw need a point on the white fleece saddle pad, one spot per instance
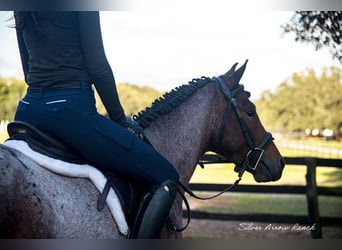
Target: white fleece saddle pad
(76, 170)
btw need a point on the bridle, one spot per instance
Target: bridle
(253, 156)
(256, 151)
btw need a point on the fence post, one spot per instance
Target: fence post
(312, 198)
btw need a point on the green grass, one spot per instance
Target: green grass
(292, 175)
(235, 203)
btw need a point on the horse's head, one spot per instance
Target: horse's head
(241, 136)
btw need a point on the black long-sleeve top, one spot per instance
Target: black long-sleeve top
(57, 47)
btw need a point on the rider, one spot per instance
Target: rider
(62, 57)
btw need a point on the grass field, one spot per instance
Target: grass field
(244, 203)
(292, 175)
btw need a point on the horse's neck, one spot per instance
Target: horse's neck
(183, 135)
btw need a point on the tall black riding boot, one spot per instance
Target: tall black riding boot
(154, 210)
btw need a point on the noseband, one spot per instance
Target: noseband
(256, 151)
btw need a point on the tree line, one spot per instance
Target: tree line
(306, 100)
(11, 91)
(133, 98)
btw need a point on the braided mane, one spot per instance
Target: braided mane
(169, 101)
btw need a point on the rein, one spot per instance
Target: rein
(252, 158)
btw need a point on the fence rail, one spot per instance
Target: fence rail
(332, 152)
(310, 189)
(3, 125)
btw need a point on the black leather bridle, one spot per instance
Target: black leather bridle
(256, 151)
(253, 156)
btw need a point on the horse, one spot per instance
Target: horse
(207, 114)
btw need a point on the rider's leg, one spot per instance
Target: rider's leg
(154, 210)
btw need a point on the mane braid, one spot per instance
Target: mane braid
(169, 101)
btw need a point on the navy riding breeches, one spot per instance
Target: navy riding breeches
(71, 116)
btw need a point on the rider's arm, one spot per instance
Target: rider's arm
(97, 64)
(22, 51)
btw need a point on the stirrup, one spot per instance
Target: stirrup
(154, 210)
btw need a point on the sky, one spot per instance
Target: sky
(166, 47)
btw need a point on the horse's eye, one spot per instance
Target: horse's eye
(251, 112)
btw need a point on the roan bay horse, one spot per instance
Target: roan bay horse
(208, 114)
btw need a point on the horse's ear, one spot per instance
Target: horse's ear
(236, 77)
(233, 76)
(231, 71)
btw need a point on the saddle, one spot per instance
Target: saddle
(128, 192)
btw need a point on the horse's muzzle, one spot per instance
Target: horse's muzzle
(269, 171)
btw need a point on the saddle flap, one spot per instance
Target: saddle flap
(42, 142)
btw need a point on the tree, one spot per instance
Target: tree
(11, 91)
(307, 100)
(321, 28)
(133, 98)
